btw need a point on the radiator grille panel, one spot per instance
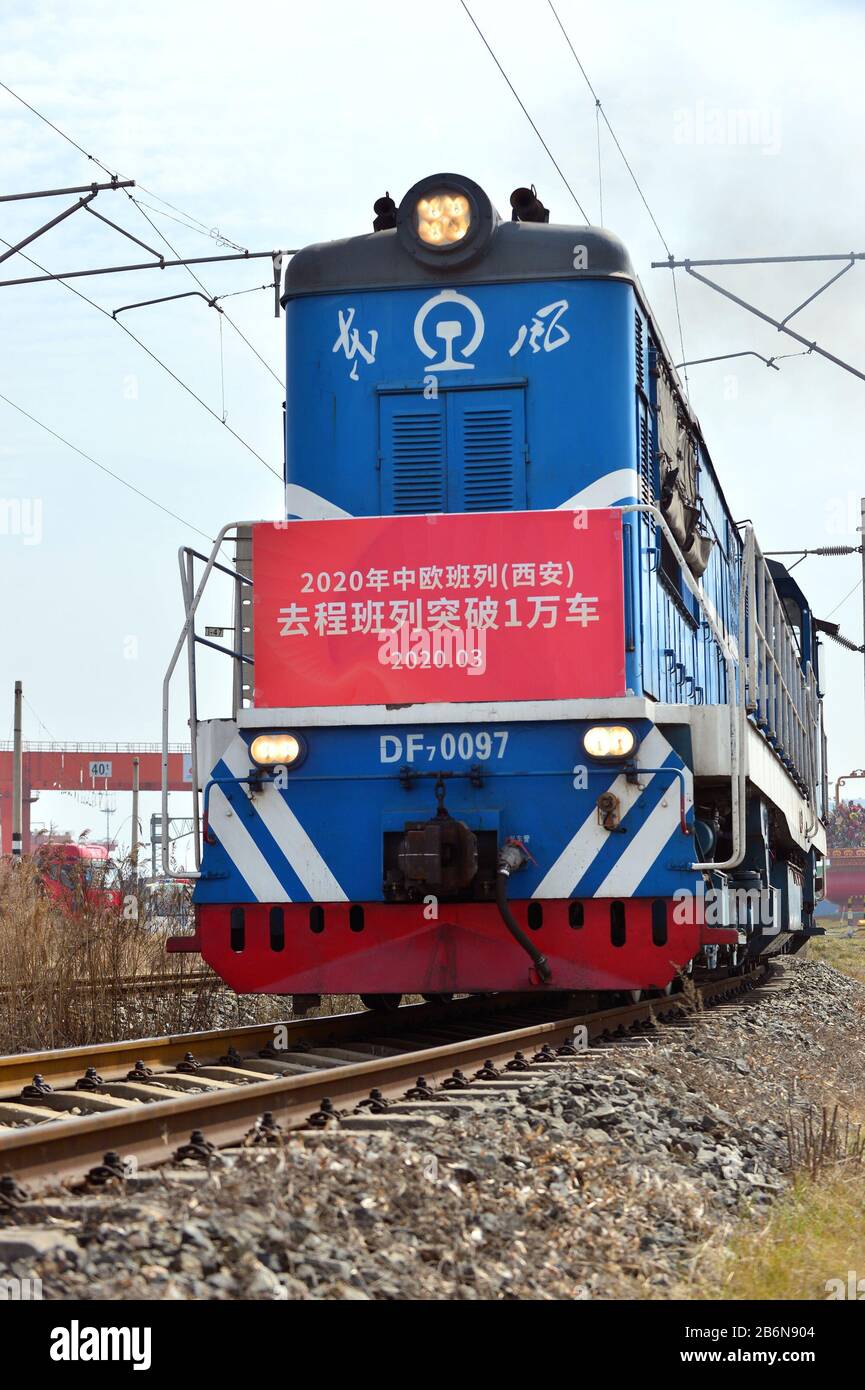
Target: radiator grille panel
(488, 444)
(417, 452)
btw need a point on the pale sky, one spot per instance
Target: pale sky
(279, 125)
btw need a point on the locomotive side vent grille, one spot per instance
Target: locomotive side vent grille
(418, 463)
(488, 444)
(644, 440)
(647, 492)
(640, 352)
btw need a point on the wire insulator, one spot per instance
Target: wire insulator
(845, 641)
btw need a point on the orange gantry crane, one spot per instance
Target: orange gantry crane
(85, 767)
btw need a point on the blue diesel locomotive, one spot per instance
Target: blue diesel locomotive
(602, 812)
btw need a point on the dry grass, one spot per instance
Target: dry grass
(814, 1235)
(845, 953)
(62, 974)
(821, 1140)
(816, 1231)
(64, 977)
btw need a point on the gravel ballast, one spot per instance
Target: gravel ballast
(602, 1178)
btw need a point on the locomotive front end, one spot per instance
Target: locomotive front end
(462, 753)
(440, 711)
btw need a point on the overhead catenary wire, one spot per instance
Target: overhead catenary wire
(599, 109)
(681, 334)
(104, 167)
(103, 468)
(841, 602)
(212, 233)
(200, 283)
(525, 112)
(150, 353)
(39, 721)
(149, 220)
(600, 170)
(254, 289)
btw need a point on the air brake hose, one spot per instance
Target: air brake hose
(511, 858)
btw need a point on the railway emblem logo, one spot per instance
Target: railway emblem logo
(449, 330)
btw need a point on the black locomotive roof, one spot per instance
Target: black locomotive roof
(514, 252)
(517, 251)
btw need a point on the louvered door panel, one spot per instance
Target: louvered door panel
(486, 451)
(413, 461)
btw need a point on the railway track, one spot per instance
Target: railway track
(124, 984)
(85, 1116)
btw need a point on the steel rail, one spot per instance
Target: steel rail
(112, 1060)
(125, 984)
(151, 1133)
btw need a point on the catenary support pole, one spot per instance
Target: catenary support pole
(17, 779)
(136, 829)
(862, 539)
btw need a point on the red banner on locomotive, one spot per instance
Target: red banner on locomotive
(504, 606)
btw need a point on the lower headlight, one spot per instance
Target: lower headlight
(609, 741)
(270, 750)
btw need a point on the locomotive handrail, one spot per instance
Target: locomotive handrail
(187, 558)
(52, 746)
(191, 602)
(781, 695)
(815, 713)
(735, 683)
(766, 678)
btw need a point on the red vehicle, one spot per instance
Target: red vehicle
(845, 882)
(845, 879)
(78, 875)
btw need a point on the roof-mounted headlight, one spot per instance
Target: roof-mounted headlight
(445, 220)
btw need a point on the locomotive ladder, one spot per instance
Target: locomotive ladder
(240, 654)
